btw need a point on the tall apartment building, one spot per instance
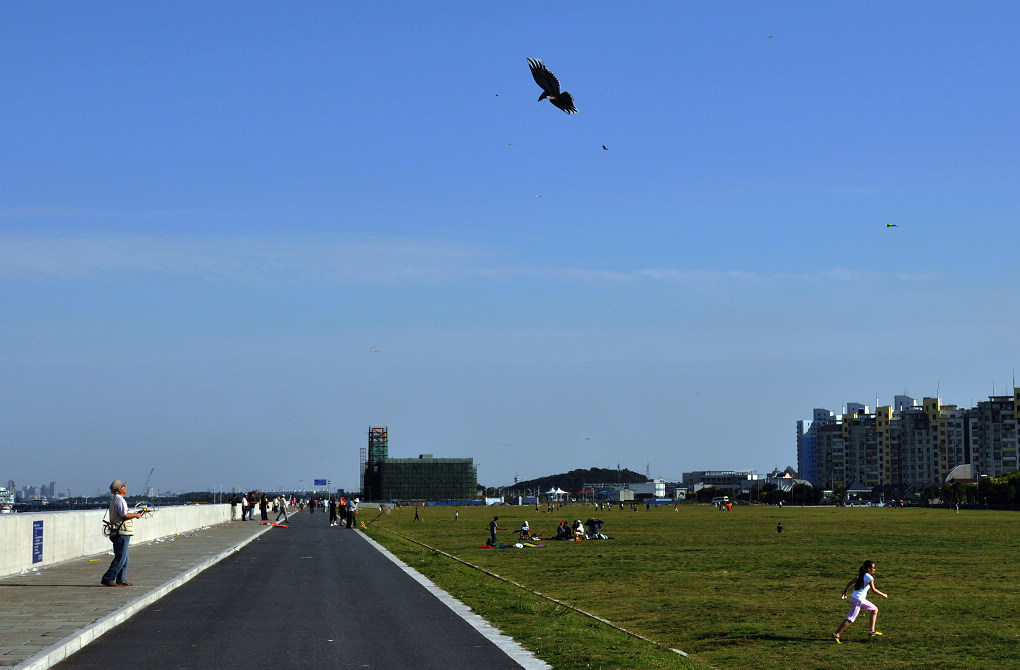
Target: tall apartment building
(909, 442)
(993, 427)
(807, 443)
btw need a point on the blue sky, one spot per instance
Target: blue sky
(211, 213)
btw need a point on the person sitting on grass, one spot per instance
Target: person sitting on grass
(578, 528)
(525, 531)
(563, 531)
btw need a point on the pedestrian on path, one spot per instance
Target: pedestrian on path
(283, 510)
(332, 512)
(244, 507)
(264, 507)
(352, 512)
(859, 599)
(123, 527)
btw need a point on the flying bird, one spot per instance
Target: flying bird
(551, 87)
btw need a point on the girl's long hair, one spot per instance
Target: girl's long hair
(860, 575)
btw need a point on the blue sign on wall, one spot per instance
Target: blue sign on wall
(37, 535)
(320, 482)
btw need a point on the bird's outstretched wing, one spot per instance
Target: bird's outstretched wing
(564, 101)
(544, 78)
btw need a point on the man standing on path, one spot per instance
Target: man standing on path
(123, 525)
(352, 512)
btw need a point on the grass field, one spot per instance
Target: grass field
(727, 589)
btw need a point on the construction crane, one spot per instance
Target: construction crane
(145, 487)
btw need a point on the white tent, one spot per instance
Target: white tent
(556, 492)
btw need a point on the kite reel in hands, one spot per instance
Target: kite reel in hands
(144, 507)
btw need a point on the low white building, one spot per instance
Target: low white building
(655, 489)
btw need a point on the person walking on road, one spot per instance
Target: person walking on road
(264, 507)
(859, 599)
(123, 525)
(283, 510)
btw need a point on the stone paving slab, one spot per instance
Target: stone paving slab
(49, 613)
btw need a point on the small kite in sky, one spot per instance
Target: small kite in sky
(551, 87)
(373, 350)
(891, 225)
(604, 148)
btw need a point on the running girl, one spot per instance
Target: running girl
(859, 599)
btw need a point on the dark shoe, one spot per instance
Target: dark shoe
(124, 584)
(107, 583)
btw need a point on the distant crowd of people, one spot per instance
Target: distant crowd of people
(341, 510)
(242, 506)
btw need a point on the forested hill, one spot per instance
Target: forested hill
(574, 481)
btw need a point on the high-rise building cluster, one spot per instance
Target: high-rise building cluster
(33, 492)
(910, 443)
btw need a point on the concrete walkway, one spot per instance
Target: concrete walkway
(49, 613)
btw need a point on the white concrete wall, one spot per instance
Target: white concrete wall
(67, 535)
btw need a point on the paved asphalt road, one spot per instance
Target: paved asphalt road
(306, 596)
